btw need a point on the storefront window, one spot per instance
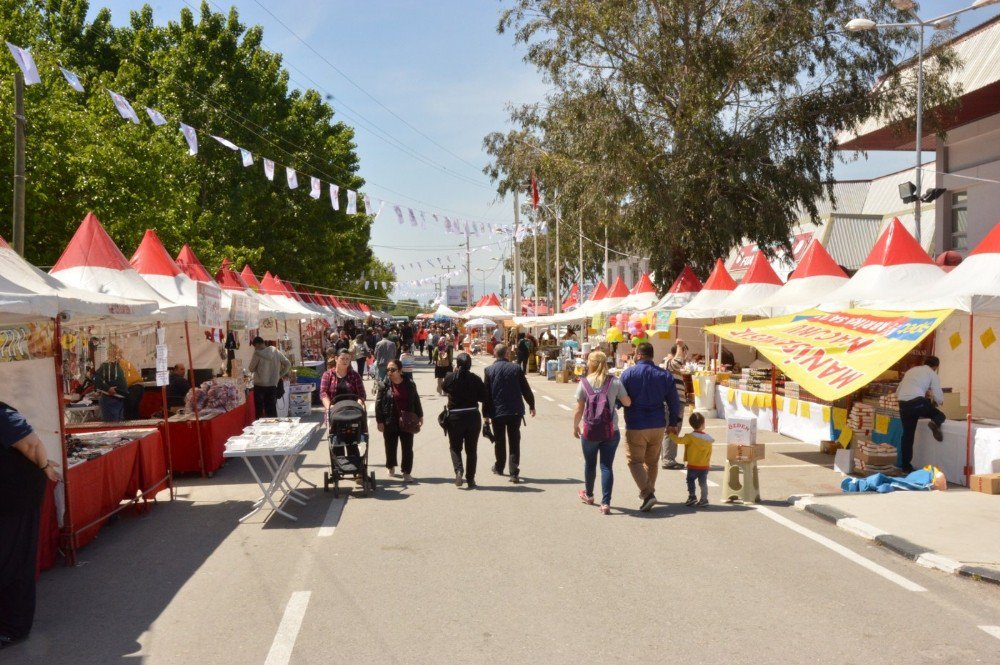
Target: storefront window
(959, 220)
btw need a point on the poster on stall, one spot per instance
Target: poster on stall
(162, 371)
(663, 319)
(244, 313)
(27, 341)
(209, 306)
(832, 354)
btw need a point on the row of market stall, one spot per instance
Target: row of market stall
(147, 314)
(835, 345)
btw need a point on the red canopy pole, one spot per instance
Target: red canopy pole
(194, 387)
(968, 410)
(67, 530)
(774, 398)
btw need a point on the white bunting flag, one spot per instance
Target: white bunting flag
(293, 181)
(482, 227)
(436, 220)
(368, 204)
(423, 219)
(381, 204)
(268, 168)
(226, 142)
(156, 117)
(247, 157)
(352, 202)
(447, 224)
(125, 109)
(366, 286)
(191, 137)
(335, 196)
(27, 64)
(314, 185)
(72, 79)
(413, 217)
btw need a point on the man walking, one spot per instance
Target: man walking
(268, 366)
(385, 351)
(915, 389)
(649, 387)
(507, 390)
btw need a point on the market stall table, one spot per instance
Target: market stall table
(216, 428)
(277, 442)
(797, 418)
(949, 454)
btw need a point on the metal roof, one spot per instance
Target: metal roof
(849, 195)
(850, 238)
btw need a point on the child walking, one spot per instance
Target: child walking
(698, 455)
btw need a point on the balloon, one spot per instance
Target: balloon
(613, 320)
(615, 335)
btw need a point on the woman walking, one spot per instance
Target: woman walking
(465, 391)
(399, 416)
(596, 399)
(442, 362)
(359, 351)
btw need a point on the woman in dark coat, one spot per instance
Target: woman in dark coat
(397, 394)
(466, 392)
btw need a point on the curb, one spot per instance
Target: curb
(904, 548)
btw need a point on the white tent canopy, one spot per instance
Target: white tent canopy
(816, 276)
(641, 297)
(681, 292)
(448, 312)
(707, 303)
(759, 283)
(489, 309)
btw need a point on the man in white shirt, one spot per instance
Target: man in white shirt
(914, 404)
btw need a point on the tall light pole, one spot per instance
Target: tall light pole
(483, 276)
(515, 300)
(941, 22)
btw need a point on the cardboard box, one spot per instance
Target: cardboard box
(562, 376)
(740, 453)
(952, 407)
(829, 447)
(987, 483)
(741, 430)
(877, 460)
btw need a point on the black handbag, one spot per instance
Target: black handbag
(443, 419)
(488, 433)
(279, 390)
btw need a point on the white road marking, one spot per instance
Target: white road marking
(563, 406)
(841, 550)
(992, 630)
(711, 483)
(332, 518)
(793, 466)
(546, 397)
(288, 629)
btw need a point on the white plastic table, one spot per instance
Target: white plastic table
(277, 445)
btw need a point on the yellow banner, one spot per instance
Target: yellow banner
(832, 354)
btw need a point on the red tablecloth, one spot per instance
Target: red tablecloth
(215, 431)
(48, 530)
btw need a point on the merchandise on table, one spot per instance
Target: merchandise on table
(218, 395)
(84, 446)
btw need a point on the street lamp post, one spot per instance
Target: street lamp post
(941, 22)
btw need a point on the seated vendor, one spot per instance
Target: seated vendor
(179, 386)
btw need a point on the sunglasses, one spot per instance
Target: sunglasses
(393, 369)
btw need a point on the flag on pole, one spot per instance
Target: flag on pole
(26, 63)
(247, 157)
(293, 181)
(191, 137)
(268, 168)
(335, 196)
(226, 142)
(314, 185)
(352, 202)
(125, 109)
(534, 192)
(156, 117)
(72, 79)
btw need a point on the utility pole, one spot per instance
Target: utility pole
(534, 242)
(516, 298)
(581, 250)
(548, 269)
(468, 272)
(19, 140)
(605, 253)
(557, 302)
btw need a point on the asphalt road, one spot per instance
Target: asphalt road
(429, 573)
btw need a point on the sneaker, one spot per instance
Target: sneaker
(675, 465)
(515, 479)
(648, 503)
(392, 471)
(605, 509)
(589, 500)
(936, 431)
(407, 478)
(703, 501)
(471, 484)
(496, 471)
(458, 479)
(691, 501)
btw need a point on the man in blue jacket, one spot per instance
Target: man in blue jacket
(507, 390)
(649, 387)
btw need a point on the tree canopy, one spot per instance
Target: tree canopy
(692, 126)
(209, 71)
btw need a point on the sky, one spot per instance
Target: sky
(422, 83)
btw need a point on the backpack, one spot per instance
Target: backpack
(598, 421)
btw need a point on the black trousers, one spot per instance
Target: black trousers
(265, 400)
(910, 412)
(523, 362)
(18, 553)
(360, 362)
(394, 438)
(133, 400)
(463, 432)
(507, 430)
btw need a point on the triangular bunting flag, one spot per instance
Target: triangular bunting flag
(399, 213)
(423, 219)
(125, 109)
(191, 137)
(413, 217)
(156, 117)
(26, 63)
(247, 157)
(226, 142)
(72, 79)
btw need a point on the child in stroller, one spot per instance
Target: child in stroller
(348, 422)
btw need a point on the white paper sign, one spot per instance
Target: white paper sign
(209, 306)
(244, 313)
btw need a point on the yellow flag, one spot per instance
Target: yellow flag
(697, 387)
(845, 437)
(955, 340)
(804, 410)
(745, 399)
(988, 338)
(826, 414)
(730, 395)
(780, 402)
(839, 417)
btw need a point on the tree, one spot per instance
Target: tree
(691, 126)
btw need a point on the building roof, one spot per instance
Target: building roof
(978, 78)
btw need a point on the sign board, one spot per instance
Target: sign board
(210, 306)
(744, 257)
(162, 371)
(244, 313)
(459, 295)
(663, 319)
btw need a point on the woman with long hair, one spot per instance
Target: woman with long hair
(397, 396)
(465, 391)
(597, 384)
(359, 351)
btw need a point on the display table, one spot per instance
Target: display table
(277, 444)
(96, 488)
(799, 419)
(215, 430)
(949, 454)
(79, 414)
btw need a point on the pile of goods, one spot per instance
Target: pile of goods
(875, 457)
(861, 419)
(83, 447)
(215, 396)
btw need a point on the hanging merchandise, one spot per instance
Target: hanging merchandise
(191, 137)
(125, 109)
(72, 79)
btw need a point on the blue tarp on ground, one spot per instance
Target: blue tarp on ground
(916, 481)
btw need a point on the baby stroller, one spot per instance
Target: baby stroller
(348, 428)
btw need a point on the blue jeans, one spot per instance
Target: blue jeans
(701, 475)
(112, 409)
(606, 451)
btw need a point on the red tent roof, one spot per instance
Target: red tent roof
(761, 272)
(151, 257)
(572, 299)
(289, 290)
(271, 286)
(229, 278)
(618, 289)
(3, 243)
(686, 282)
(191, 266)
(91, 246)
(599, 292)
(720, 279)
(365, 308)
(816, 262)
(250, 278)
(896, 247)
(492, 300)
(644, 285)
(990, 244)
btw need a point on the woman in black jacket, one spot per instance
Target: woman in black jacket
(465, 391)
(396, 395)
